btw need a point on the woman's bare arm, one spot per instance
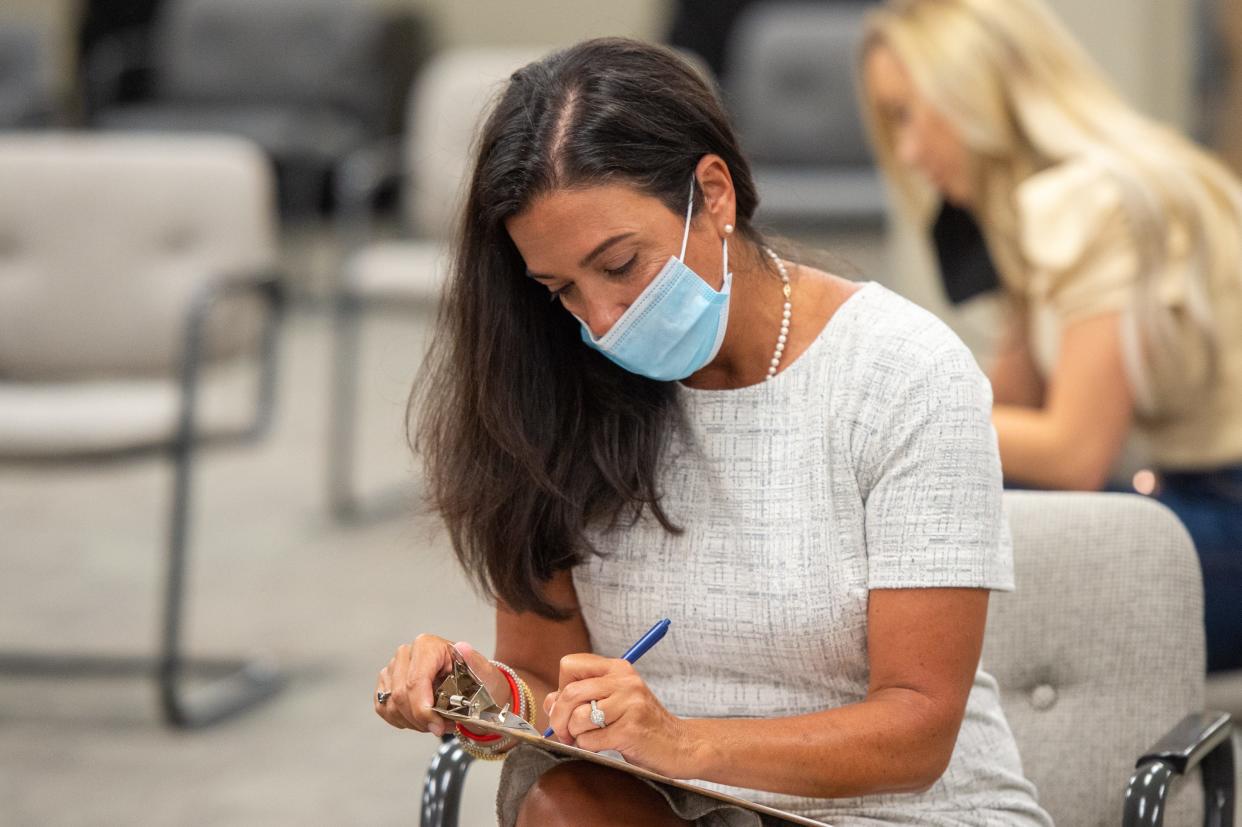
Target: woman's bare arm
(924, 647)
(1074, 439)
(534, 645)
(1015, 378)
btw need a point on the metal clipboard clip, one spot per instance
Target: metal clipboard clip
(461, 696)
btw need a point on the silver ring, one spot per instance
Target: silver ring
(597, 716)
(382, 696)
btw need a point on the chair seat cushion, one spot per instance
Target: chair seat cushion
(285, 132)
(107, 416)
(408, 271)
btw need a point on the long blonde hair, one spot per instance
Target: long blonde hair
(1024, 96)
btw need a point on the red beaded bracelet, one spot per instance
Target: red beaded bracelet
(490, 737)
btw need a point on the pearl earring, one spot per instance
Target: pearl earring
(728, 228)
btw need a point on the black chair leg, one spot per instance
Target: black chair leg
(1217, 771)
(443, 786)
(231, 686)
(347, 323)
(344, 501)
(244, 683)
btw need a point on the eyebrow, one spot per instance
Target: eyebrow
(599, 248)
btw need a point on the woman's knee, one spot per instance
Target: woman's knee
(560, 796)
(578, 792)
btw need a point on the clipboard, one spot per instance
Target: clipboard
(462, 697)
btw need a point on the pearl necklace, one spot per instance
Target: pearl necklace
(788, 311)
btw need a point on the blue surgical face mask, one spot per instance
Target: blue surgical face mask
(675, 326)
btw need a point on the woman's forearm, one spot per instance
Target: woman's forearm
(1014, 376)
(1075, 437)
(539, 689)
(1036, 450)
(891, 742)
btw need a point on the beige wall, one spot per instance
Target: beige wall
(540, 22)
(55, 17)
(1228, 137)
(1146, 46)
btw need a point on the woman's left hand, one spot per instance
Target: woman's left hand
(637, 725)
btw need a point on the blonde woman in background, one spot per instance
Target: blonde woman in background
(1118, 242)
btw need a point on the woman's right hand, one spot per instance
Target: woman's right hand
(411, 677)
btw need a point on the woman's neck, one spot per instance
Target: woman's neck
(755, 313)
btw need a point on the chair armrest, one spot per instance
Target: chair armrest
(358, 181)
(1188, 743)
(443, 786)
(268, 285)
(1200, 740)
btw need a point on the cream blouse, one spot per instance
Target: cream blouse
(1078, 259)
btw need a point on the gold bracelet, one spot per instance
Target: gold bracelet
(485, 753)
(526, 700)
(497, 750)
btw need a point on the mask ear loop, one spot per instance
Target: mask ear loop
(685, 238)
(689, 209)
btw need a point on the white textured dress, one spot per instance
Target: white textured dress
(870, 462)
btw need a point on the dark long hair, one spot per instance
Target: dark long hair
(528, 437)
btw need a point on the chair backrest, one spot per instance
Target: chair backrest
(309, 52)
(24, 83)
(104, 239)
(791, 83)
(1100, 650)
(447, 105)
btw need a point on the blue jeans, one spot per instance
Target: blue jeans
(1209, 504)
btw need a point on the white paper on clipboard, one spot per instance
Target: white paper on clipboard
(537, 740)
(461, 696)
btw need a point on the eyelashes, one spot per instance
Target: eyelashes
(624, 268)
(617, 272)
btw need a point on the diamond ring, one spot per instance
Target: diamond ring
(597, 715)
(382, 696)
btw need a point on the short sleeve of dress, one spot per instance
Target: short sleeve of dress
(931, 480)
(1077, 242)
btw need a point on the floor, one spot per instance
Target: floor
(272, 574)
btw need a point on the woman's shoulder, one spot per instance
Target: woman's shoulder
(887, 343)
(1070, 177)
(887, 327)
(1063, 210)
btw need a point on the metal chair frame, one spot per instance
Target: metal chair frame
(237, 684)
(360, 180)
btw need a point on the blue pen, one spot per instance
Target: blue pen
(653, 636)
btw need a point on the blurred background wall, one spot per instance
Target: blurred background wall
(498, 22)
(1146, 45)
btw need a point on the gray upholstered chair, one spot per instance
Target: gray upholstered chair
(25, 83)
(308, 80)
(405, 274)
(790, 84)
(138, 297)
(1099, 658)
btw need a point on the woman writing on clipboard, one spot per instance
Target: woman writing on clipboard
(638, 408)
(1119, 244)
